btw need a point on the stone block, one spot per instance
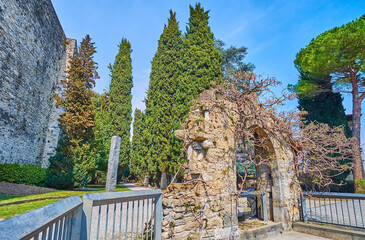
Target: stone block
(214, 223)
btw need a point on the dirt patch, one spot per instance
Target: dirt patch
(250, 224)
(22, 189)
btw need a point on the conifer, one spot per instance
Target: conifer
(120, 100)
(198, 69)
(73, 163)
(137, 164)
(161, 97)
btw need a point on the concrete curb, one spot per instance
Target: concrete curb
(328, 231)
(261, 232)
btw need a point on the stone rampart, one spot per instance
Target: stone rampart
(32, 63)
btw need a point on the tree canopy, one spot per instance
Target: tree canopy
(340, 54)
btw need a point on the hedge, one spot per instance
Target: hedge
(26, 174)
(360, 185)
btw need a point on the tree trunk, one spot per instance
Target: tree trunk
(356, 127)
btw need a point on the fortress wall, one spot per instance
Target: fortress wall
(32, 63)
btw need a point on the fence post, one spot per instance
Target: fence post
(304, 209)
(86, 218)
(158, 217)
(76, 224)
(264, 206)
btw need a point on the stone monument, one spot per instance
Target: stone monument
(111, 179)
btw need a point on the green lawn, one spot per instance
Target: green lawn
(15, 209)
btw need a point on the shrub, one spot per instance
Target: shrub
(360, 185)
(59, 172)
(23, 174)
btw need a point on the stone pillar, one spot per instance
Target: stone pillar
(204, 206)
(285, 189)
(163, 181)
(111, 180)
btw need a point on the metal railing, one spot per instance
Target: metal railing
(111, 215)
(123, 215)
(257, 201)
(59, 220)
(345, 209)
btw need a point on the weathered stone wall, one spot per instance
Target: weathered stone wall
(204, 207)
(32, 57)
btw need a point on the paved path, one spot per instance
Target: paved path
(134, 187)
(292, 235)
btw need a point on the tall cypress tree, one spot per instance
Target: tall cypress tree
(120, 100)
(161, 98)
(199, 67)
(137, 164)
(323, 107)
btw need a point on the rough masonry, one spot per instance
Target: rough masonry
(204, 206)
(32, 63)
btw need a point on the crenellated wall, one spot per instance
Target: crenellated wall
(32, 63)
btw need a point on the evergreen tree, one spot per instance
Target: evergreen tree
(232, 58)
(120, 100)
(101, 143)
(324, 107)
(161, 98)
(339, 53)
(73, 158)
(137, 164)
(77, 119)
(198, 69)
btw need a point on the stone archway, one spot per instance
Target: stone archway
(276, 177)
(203, 206)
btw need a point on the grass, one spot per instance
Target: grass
(15, 209)
(12, 210)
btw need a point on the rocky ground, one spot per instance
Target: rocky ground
(22, 189)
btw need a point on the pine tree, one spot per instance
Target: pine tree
(161, 98)
(198, 69)
(120, 100)
(137, 165)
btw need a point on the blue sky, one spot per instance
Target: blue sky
(273, 31)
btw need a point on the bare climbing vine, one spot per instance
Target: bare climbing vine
(320, 152)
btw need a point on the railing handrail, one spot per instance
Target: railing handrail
(98, 199)
(125, 196)
(30, 223)
(335, 195)
(251, 193)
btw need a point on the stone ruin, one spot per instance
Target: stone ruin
(204, 206)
